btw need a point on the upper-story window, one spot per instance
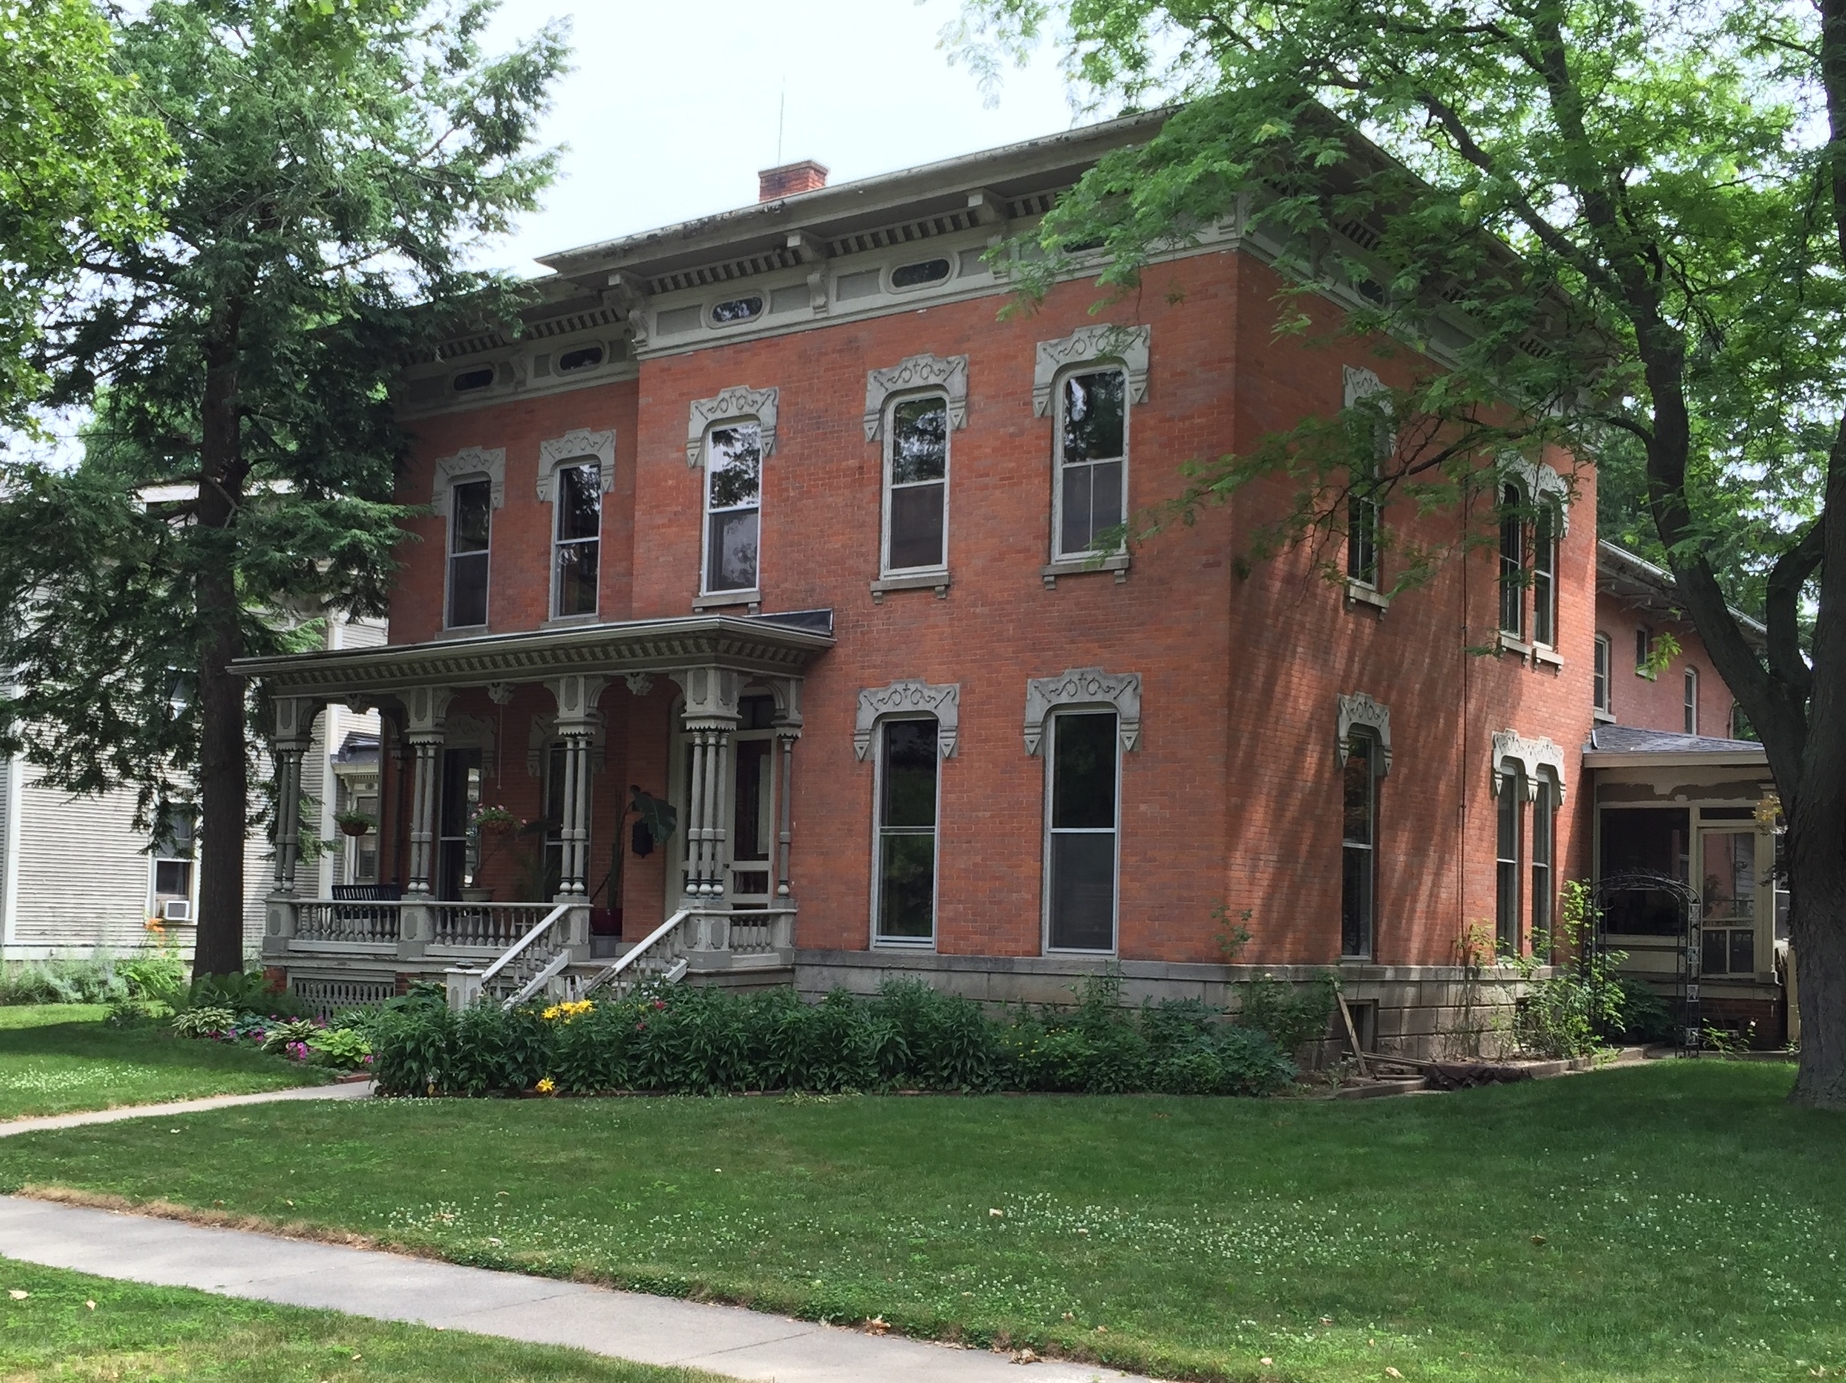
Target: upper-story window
(1362, 517)
(1512, 562)
(917, 486)
(582, 358)
(1092, 463)
(1599, 677)
(1545, 577)
(470, 380)
(470, 519)
(577, 539)
(173, 863)
(1644, 652)
(733, 310)
(733, 506)
(1692, 701)
(922, 271)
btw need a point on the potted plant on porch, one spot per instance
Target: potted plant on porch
(490, 827)
(353, 823)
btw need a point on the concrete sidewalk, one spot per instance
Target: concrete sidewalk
(391, 1287)
(347, 1090)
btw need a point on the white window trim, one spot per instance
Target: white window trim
(945, 733)
(1605, 647)
(1078, 687)
(1557, 549)
(753, 595)
(1379, 737)
(576, 448)
(886, 571)
(470, 463)
(739, 403)
(449, 554)
(1690, 698)
(1360, 383)
(1063, 562)
(1088, 347)
(1044, 887)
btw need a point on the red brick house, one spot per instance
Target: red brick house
(771, 516)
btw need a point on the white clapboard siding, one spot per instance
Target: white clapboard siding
(83, 873)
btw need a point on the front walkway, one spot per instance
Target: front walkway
(391, 1287)
(344, 1090)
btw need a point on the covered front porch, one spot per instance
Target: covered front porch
(552, 806)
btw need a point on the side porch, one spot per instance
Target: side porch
(549, 806)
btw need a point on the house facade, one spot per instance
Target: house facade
(778, 519)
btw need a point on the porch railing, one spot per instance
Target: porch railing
(494, 925)
(369, 923)
(762, 932)
(532, 960)
(660, 955)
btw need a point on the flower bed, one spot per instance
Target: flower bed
(312, 1041)
(910, 1037)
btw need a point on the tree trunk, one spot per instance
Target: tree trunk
(224, 785)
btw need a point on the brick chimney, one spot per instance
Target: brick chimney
(789, 179)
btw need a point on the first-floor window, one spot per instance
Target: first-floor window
(470, 510)
(362, 851)
(733, 506)
(1544, 851)
(1358, 847)
(1081, 850)
(1511, 821)
(906, 861)
(173, 856)
(1599, 676)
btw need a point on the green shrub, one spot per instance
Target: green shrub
(289, 1030)
(251, 992)
(340, 1049)
(204, 1020)
(65, 982)
(1643, 1017)
(1292, 1015)
(703, 1041)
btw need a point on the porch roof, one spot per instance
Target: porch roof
(770, 645)
(1629, 746)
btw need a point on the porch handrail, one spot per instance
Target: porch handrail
(530, 939)
(610, 973)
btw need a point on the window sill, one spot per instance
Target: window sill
(1509, 644)
(571, 621)
(938, 581)
(1548, 656)
(1358, 593)
(1604, 717)
(925, 945)
(465, 630)
(727, 599)
(1080, 566)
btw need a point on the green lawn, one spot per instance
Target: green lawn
(1670, 1222)
(55, 1058)
(153, 1334)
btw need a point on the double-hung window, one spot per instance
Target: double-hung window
(1081, 836)
(173, 862)
(1692, 701)
(1599, 678)
(1507, 912)
(577, 540)
(1091, 488)
(1512, 563)
(1545, 578)
(1359, 846)
(1362, 517)
(917, 486)
(470, 519)
(733, 506)
(906, 862)
(1544, 853)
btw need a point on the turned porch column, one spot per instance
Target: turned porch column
(294, 732)
(788, 730)
(709, 719)
(577, 726)
(427, 710)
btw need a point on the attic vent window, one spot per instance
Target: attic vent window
(469, 380)
(922, 272)
(583, 358)
(737, 310)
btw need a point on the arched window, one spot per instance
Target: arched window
(1359, 844)
(1545, 577)
(913, 726)
(1511, 822)
(1544, 857)
(1512, 562)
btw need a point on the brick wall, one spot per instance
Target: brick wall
(1658, 703)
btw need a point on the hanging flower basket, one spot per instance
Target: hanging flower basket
(354, 823)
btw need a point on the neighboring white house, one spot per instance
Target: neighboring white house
(78, 878)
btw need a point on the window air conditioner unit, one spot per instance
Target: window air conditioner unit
(176, 909)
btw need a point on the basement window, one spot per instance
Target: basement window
(736, 310)
(583, 358)
(922, 272)
(469, 380)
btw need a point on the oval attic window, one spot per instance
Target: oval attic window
(737, 310)
(922, 272)
(470, 380)
(583, 358)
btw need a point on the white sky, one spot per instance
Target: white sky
(672, 107)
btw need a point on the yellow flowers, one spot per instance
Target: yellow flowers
(547, 1086)
(563, 1013)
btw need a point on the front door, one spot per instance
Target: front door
(461, 794)
(1727, 892)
